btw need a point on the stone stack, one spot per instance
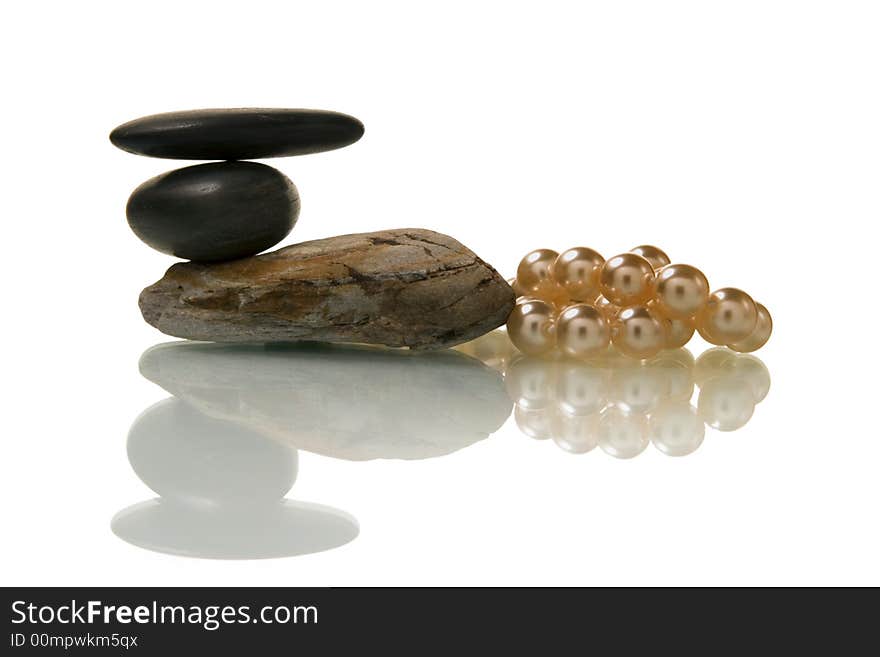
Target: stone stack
(231, 209)
(405, 287)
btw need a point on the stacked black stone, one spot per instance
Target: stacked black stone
(231, 209)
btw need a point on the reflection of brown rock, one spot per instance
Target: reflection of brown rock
(400, 288)
(353, 403)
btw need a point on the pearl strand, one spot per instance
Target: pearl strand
(639, 302)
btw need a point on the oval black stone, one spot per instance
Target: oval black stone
(237, 134)
(214, 212)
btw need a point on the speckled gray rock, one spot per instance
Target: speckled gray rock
(401, 288)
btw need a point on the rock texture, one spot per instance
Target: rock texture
(214, 212)
(400, 288)
(237, 134)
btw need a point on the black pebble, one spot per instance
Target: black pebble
(237, 134)
(214, 212)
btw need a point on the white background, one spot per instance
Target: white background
(743, 137)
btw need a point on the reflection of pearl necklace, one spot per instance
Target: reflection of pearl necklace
(579, 302)
(622, 406)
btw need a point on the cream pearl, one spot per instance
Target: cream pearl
(577, 434)
(582, 388)
(726, 403)
(680, 383)
(678, 357)
(676, 370)
(730, 315)
(626, 279)
(622, 435)
(577, 271)
(534, 268)
(652, 254)
(759, 336)
(713, 363)
(680, 291)
(531, 382)
(721, 363)
(531, 326)
(582, 331)
(676, 429)
(678, 332)
(753, 371)
(638, 333)
(536, 423)
(636, 388)
(709, 338)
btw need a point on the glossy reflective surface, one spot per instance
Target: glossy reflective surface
(622, 406)
(222, 454)
(353, 403)
(221, 491)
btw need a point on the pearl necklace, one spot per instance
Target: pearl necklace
(578, 302)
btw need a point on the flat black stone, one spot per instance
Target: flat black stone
(214, 212)
(237, 134)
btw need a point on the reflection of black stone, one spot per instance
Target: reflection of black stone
(222, 491)
(280, 529)
(214, 212)
(222, 455)
(180, 453)
(237, 134)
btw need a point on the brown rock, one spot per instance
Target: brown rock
(401, 288)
